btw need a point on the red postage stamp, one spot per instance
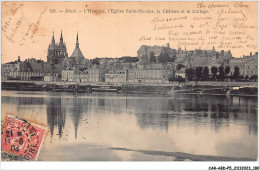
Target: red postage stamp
(22, 138)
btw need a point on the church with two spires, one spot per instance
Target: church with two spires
(58, 55)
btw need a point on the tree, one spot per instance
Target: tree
(128, 59)
(214, 71)
(171, 77)
(198, 73)
(246, 77)
(205, 74)
(95, 61)
(231, 77)
(254, 77)
(221, 73)
(236, 73)
(152, 58)
(227, 70)
(180, 79)
(144, 59)
(165, 57)
(189, 72)
(179, 66)
(241, 77)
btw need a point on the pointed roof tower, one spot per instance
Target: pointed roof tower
(77, 41)
(77, 52)
(61, 39)
(53, 40)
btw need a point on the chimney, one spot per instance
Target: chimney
(168, 45)
(250, 54)
(18, 58)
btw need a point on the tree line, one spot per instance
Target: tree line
(217, 74)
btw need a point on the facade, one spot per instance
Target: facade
(73, 75)
(50, 78)
(250, 68)
(96, 74)
(68, 74)
(248, 65)
(36, 76)
(202, 58)
(10, 67)
(148, 76)
(81, 76)
(116, 76)
(92, 74)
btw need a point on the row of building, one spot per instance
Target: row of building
(119, 74)
(248, 65)
(76, 68)
(113, 73)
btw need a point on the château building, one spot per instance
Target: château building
(145, 53)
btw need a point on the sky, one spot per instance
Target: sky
(27, 27)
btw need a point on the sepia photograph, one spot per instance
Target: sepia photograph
(129, 81)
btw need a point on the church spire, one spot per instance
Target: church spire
(53, 40)
(61, 38)
(77, 52)
(77, 41)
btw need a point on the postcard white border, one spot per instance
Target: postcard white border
(126, 165)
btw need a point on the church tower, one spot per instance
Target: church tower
(56, 52)
(77, 54)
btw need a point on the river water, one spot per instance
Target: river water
(138, 127)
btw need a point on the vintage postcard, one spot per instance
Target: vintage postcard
(129, 81)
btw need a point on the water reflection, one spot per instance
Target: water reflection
(149, 111)
(56, 115)
(87, 115)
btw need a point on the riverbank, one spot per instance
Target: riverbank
(203, 88)
(180, 156)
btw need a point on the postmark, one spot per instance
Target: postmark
(21, 138)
